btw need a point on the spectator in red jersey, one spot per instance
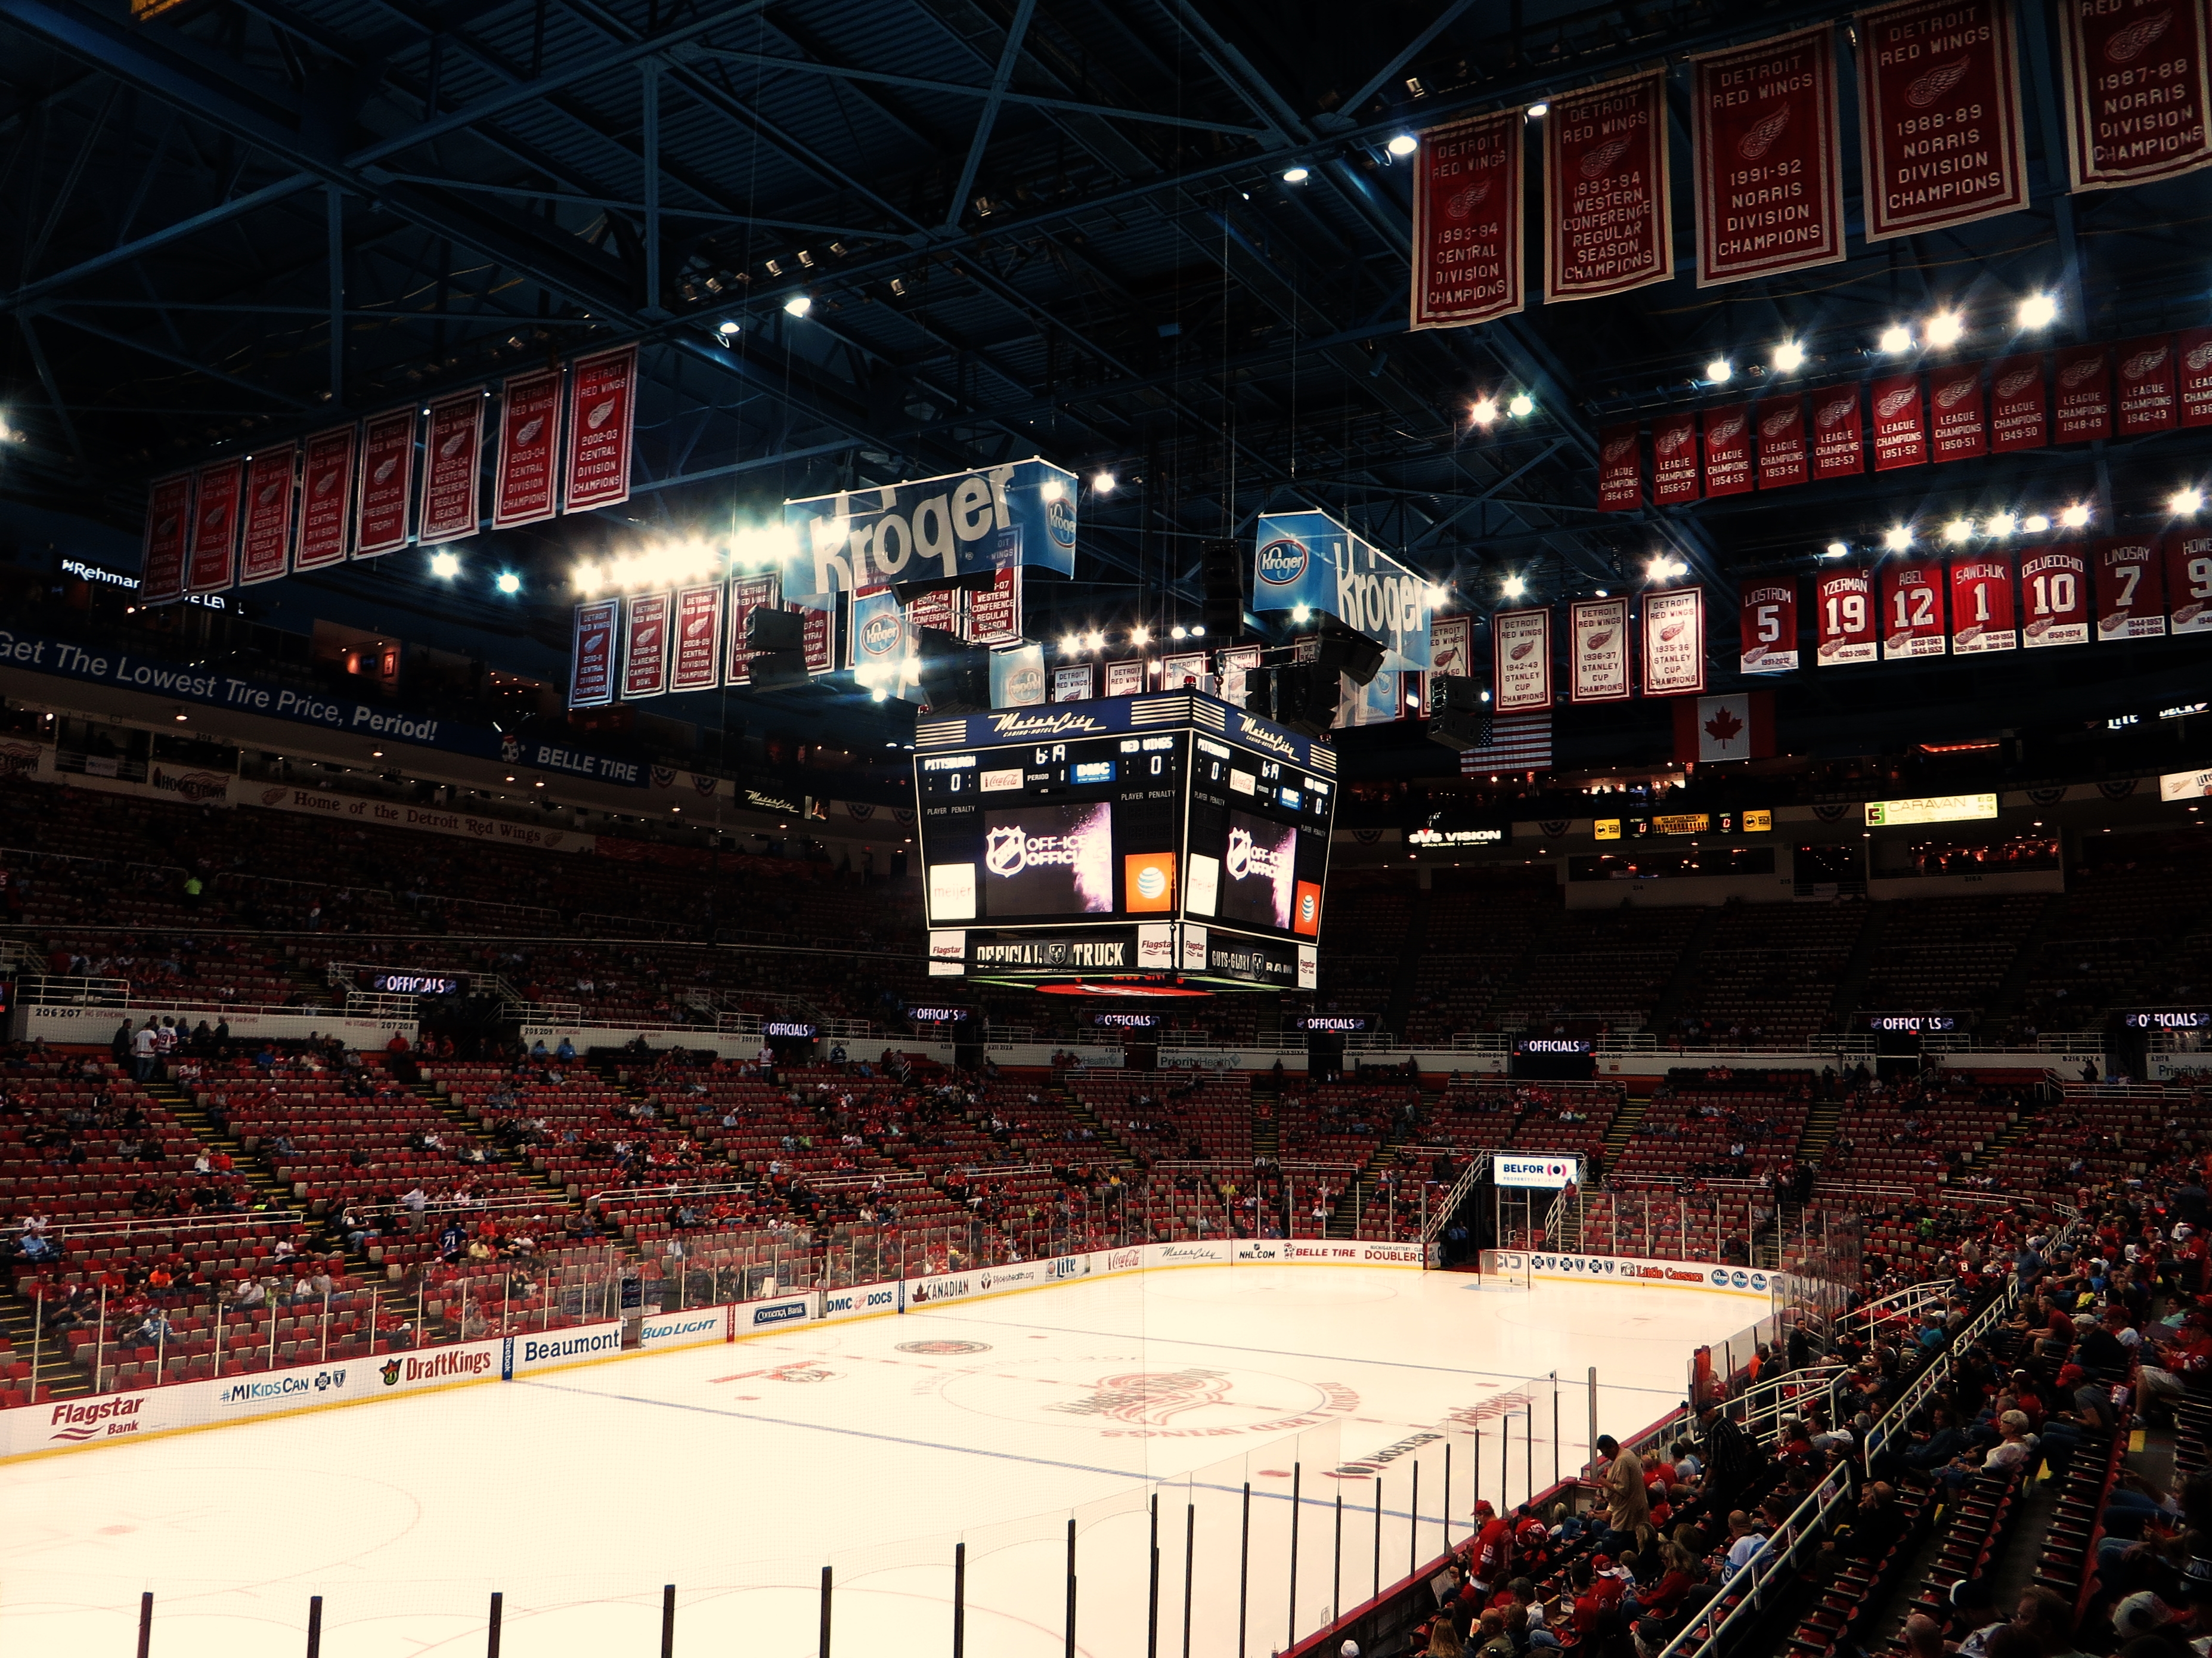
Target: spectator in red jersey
(1490, 1556)
(1597, 1602)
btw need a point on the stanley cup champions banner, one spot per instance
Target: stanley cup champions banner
(2136, 89)
(1606, 223)
(1466, 221)
(1939, 132)
(1770, 171)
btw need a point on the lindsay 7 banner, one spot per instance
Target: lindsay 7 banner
(1674, 642)
(2136, 89)
(602, 405)
(1605, 227)
(1466, 221)
(2130, 597)
(529, 428)
(1940, 133)
(1520, 666)
(1769, 170)
(169, 529)
(264, 549)
(1597, 629)
(213, 561)
(1768, 629)
(453, 453)
(387, 478)
(326, 486)
(1620, 472)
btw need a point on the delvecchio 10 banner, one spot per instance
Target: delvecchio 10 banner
(1769, 170)
(1466, 221)
(1939, 130)
(2137, 95)
(1606, 223)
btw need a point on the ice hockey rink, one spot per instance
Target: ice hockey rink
(738, 1472)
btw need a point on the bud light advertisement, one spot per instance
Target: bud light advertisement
(1260, 872)
(1049, 861)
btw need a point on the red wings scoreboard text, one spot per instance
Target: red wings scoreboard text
(1172, 838)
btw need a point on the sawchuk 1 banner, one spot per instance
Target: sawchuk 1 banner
(1466, 221)
(212, 564)
(387, 479)
(1520, 666)
(2130, 594)
(169, 529)
(2054, 587)
(1843, 615)
(1620, 470)
(1606, 221)
(523, 488)
(1912, 609)
(645, 647)
(1675, 641)
(1770, 172)
(265, 550)
(1597, 632)
(1768, 628)
(696, 664)
(591, 657)
(1941, 139)
(326, 493)
(1981, 605)
(2136, 89)
(602, 408)
(452, 462)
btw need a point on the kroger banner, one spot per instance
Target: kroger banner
(938, 528)
(1309, 558)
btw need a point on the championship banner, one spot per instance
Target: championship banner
(1982, 606)
(388, 479)
(1466, 221)
(1912, 609)
(2054, 586)
(1606, 227)
(1182, 671)
(994, 612)
(169, 528)
(1674, 642)
(1597, 632)
(645, 647)
(1900, 437)
(747, 594)
(1521, 661)
(2189, 579)
(326, 485)
(602, 406)
(940, 610)
(2084, 405)
(1769, 170)
(1728, 450)
(1674, 459)
(453, 452)
(1940, 134)
(1073, 685)
(2130, 597)
(2137, 97)
(1768, 628)
(2018, 411)
(265, 546)
(1956, 430)
(1125, 679)
(211, 565)
(1844, 615)
(2192, 353)
(1782, 461)
(1838, 439)
(592, 658)
(697, 624)
(2145, 391)
(1231, 666)
(522, 490)
(818, 615)
(1619, 474)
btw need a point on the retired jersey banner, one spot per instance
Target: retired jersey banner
(1728, 450)
(2083, 413)
(522, 490)
(1605, 225)
(1597, 634)
(2136, 90)
(602, 407)
(2189, 579)
(2131, 596)
(326, 488)
(1901, 437)
(264, 549)
(697, 626)
(1843, 617)
(168, 530)
(1520, 666)
(747, 595)
(2054, 595)
(994, 612)
(211, 565)
(1466, 221)
(1769, 170)
(1675, 641)
(2145, 389)
(1839, 440)
(1620, 475)
(2018, 411)
(1768, 630)
(1911, 609)
(592, 658)
(1955, 428)
(1981, 606)
(387, 479)
(1674, 459)
(1782, 461)
(1940, 134)
(453, 462)
(2192, 354)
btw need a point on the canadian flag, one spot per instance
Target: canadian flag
(1736, 726)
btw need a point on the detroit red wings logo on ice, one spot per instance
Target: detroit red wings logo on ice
(1147, 1398)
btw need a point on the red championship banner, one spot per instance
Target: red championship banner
(1782, 460)
(387, 478)
(1843, 615)
(264, 549)
(1728, 450)
(2130, 597)
(2189, 579)
(1520, 666)
(1769, 170)
(940, 610)
(2192, 353)
(747, 595)
(592, 662)
(817, 633)
(522, 490)
(326, 486)
(2083, 411)
(1605, 225)
(1838, 439)
(453, 461)
(168, 530)
(1956, 430)
(1674, 459)
(2145, 390)
(602, 405)
(1981, 605)
(2018, 414)
(211, 565)
(994, 612)
(1940, 134)
(2054, 596)
(1768, 628)
(1466, 221)
(1451, 651)
(1620, 468)
(1597, 629)
(645, 647)
(1900, 436)
(696, 664)
(1073, 685)
(2136, 91)
(1911, 609)
(1674, 642)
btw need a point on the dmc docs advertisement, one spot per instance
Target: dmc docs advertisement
(1260, 872)
(1634, 1271)
(1048, 861)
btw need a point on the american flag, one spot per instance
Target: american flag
(1518, 742)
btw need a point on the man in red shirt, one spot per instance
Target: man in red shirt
(1490, 1558)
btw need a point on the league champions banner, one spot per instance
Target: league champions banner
(1674, 459)
(2136, 92)
(1605, 228)
(2083, 405)
(169, 529)
(1728, 450)
(1838, 436)
(387, 479)
(327, 493)
(1597, 650)
(523, 490)
(453, 461)
(2193, 368)
(2019, 410)
(1675, 641)
(1768, 630)
(697, 626)
(265, 546)
(1940, 133)
(592, 659)
(1520, 666)
(1769, 170)
(1782, 459)
(211, 565)
(1466, 221)
(602, 408)
(1620, 468)
(1956, 430)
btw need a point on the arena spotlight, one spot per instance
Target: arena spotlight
(2002, 524)
(444, 565)
(2038, 311)
(1179, 632)
(799, 304)
(1720, 371)
(1959, 531)
(1539, 111)
(2035, 523)
(1514, 586)
(1897, 538)
(2186, 501)
(1946, 328)
(2075, 516)
(1522, 406)
(1403, 145)
(1485, 411)
(509, 583)
(1897, 339)
(1789, 358)
(1070, 643)
(1295, 175)
(1103, 481)
(726, 326)
(1836, 550)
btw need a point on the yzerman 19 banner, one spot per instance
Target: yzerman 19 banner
(2130, 598)
(1466, 221)
(212, 564)
(387, 478)
(1981, 606)
(264, 549)
(168, 532)
(1674, 642)
(1597, 632)
(1521, 669)
(1911, 609)
(1939, 131)
(1605, 227)
(522, 490)
(1769, 170)
(326, 490)
(602, 405)
(1843, 617)
(453, 455)
(1768, 628)
(2136, 89)
(2054, 591)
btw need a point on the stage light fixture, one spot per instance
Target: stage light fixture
(1897, 339)
(1103, 481)
(444, 565)
(1485, 411)
(1946, 328)
(1522, 406)
(1959, 531)
(799, 304)
(1295, 175)
(1789, 358)
(1514, 586)
(2075, 516)
(2038, 311)
(2002, 524)
(1897, 538)
(2035, 523)
(2186, 501)
(1403, 145)
(1836, 550)
(1720, 370)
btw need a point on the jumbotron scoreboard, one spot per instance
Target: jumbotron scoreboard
(1158, 845)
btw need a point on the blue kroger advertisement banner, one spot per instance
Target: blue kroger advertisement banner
(962, 524)
(1309, 558)
(1018, 677)
(881, 645)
